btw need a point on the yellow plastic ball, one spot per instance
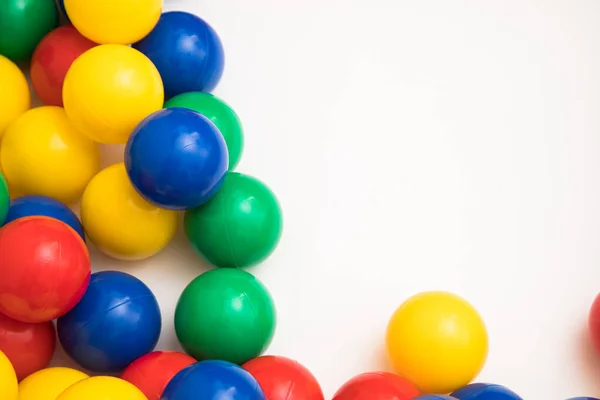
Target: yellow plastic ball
(102, 388)
(14, 93)
(109, 89)
(48, 383)
(438, 341)
(114, 21)
(119, 221)
(8, 379)
(43, 154)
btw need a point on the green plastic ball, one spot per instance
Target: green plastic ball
(23, 24)
(239, 226)
(220, 114)
(225, 314)
(4, 199)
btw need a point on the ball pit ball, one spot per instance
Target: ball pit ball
(4, 199)
(377, 386)
(51, 60)
(438, 341)
(111, 201)
(15, 98)
(34, 252)
(485, 391)
(176, 159)
(283, 379)
(220, 114)
(29, 347)
(151, 373)
(102, 388)
(49, 383)
(239, 227)
(117, 321)
(114, 21)
(594, 323)
(225, 314)
(187, 52)
(110, 89)
(23, 23)
(8, 379)
(211, 380)
(43, 154)
(29, 206)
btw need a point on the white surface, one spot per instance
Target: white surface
(418, 145)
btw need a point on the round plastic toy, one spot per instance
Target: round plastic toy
(117, 321)
(211, 380)
(102, 388)
(225, 314)
(23, 23)
(438, 341)
(43, 154)
(594, 323)
(51, 61)
(283, 379)
(4, 199)
(14, 98)
(583, 398)
(29, 347)
(220, 114)
(114, 21)
(187, 52)
(176, 158)
(151, 373)
(377, 386)
(119, 221)
(45, 269)
(485, 391)
(28, 206)
(49, 383)
(8, 379)
(239, 227)
(110, 89)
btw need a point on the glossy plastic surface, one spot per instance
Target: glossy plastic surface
(583, 398)
(187, 51)
(225, 314)
(119, 221)
(117, 321)
(102, 388)
(239, 227)
(283, 379)
(29, 347)
(151, 373)
(109, 90)
(43, 154)
(438, 341)
(4, 199)
(34, 251)
(28, 206)
(213, 380)
(15, 98)
(51, 60)
(8, 379)
(176, 158)
(485, 391)
(377, 386)
(594, 323)
(114, 21)
(23, 23)
(48, 383)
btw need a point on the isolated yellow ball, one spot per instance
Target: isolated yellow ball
(14, 93)
(102, 388)
(48, 383)
(114, 21)
(438, 341)
(43, 154)
(8, 379)
(109, 89)
(119, 221)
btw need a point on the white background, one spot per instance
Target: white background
(418, 145)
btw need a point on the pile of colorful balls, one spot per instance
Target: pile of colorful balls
(122, 72)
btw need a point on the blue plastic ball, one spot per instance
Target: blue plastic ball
(213, 380)
(176, 158)
(485, 391)
(583, 398)
(27, 206)
(186, 51)
(117, 321)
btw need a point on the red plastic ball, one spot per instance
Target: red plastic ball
(151, 373)
(45, 269)
(377, 386)
(283, 379)
(594, 323)
(51, 60)
(29, 347)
